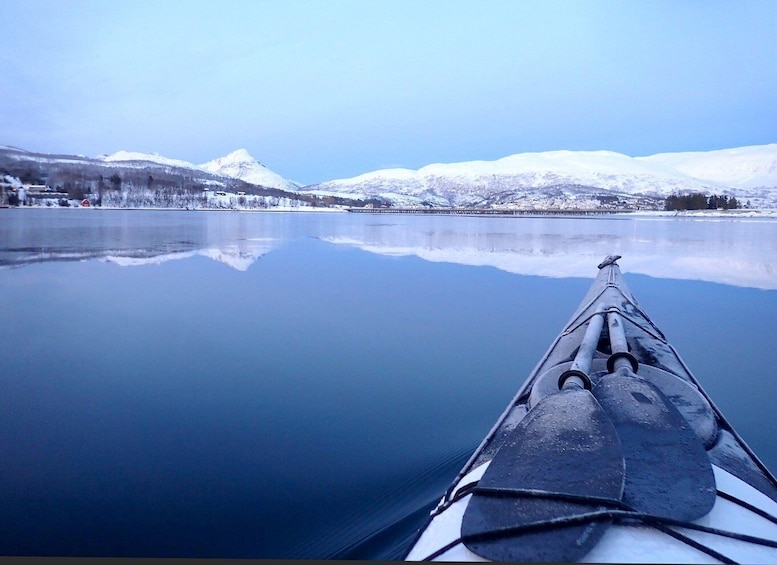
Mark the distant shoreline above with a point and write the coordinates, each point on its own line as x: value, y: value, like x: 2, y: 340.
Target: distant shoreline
x: 699, y: 214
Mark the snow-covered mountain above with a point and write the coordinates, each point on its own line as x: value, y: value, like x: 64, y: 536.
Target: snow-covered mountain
x: 743, y: 167
x: 129, y: 179
x: 573, y: 179
x: 125, y: 156
x: 237, y: 165
x: 553, y: 179
x: 241, y: 165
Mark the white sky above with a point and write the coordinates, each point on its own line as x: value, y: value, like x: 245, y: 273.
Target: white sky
x: 318, y: 90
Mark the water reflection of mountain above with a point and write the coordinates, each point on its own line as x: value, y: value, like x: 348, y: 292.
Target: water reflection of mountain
x: 129, y: 240
x: 741, y: 252
x: 238, y: 257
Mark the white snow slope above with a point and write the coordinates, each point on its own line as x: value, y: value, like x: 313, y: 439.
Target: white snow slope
x: 122, y: 156
x: 749, y: 173
x: 747, y: 167
x: 240, y: 165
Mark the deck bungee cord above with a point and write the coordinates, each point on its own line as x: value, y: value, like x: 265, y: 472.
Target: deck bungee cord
x: 623, y: 514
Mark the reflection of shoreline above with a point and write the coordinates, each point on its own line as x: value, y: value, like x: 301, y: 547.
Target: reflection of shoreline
x: 131, y: 238
x: 734, y: 251
x: 724, y: 270
x: 668, y: 261
x: 237, y: 257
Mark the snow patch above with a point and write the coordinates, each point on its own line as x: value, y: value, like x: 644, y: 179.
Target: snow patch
x: 121, y: 156
x: 241, y: 165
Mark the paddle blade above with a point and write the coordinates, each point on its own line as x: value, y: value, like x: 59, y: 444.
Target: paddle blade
x: 668, y: 472
x: 565, y: 444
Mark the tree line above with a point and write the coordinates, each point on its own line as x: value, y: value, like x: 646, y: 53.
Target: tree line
x: 700, y: 201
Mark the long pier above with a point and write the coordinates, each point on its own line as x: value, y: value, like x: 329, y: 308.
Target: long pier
x: 489, y: 211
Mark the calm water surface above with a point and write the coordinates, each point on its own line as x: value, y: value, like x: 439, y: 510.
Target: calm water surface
x: 306, y: 385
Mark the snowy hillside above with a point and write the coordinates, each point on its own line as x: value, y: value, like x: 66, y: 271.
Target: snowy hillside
x: 240, y: 165
x: 148, y: 180
x: 553, y: 179
x: 573, y: 179
x: 237, y: 165
x: 125, y: 156
x: 745, y: 167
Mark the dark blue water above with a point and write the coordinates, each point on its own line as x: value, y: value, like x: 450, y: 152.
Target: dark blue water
x: 314, y: 389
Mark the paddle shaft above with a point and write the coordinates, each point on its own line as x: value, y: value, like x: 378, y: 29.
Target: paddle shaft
x: 590, y: 341
x: 621, y: 358
x: 581, y: 365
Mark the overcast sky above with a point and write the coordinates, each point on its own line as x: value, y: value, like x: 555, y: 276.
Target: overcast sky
x: 318, y: 90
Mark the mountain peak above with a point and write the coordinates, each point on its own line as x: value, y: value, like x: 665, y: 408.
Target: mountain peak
x: 241, y: 165
x: 239, y: 156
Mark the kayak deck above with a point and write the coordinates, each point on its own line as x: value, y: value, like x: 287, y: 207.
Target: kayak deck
x: 610, y: 401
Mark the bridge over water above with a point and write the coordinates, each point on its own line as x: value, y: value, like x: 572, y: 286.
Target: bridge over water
x: 489, y: 211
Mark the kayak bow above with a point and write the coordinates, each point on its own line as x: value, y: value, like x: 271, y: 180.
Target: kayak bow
x: 611, y: 451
